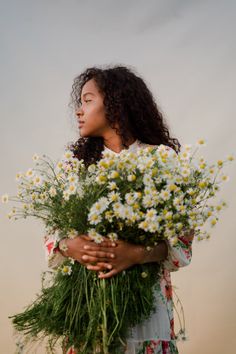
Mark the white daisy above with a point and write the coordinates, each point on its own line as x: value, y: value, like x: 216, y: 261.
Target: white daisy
x: 66, y: 270
x: 35, y: 157
x: 5, y: 198
x: 113, y: 236
x: 29, y: 173
x: 97, y: 238
x: 52, y: 191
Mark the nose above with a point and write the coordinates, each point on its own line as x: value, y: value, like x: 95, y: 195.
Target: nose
x: 79, y: 112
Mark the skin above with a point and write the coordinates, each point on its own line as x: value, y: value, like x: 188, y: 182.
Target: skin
x: 107, y: 258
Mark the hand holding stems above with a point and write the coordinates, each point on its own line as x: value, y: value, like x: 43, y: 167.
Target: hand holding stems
x: 113, y: 256
x: 79, y: 249
x: 126, y: 255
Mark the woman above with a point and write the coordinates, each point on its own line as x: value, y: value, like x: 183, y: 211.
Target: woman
x: 116, y: 111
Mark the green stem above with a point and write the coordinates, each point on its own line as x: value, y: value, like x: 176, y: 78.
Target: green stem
x: 104, y: 317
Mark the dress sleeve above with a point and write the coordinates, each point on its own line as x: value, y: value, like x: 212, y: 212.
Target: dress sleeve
x: 52, y: 253
x: 179, y: 255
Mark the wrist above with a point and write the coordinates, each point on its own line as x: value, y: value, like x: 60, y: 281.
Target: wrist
x: 157, y: 253
x: 141, y: 255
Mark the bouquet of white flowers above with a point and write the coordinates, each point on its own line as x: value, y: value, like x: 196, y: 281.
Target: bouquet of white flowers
x: 143, y: 198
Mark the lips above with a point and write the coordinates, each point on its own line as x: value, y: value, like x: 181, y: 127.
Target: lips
x: 81, y: 124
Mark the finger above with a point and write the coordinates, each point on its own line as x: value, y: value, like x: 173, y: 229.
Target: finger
x: 108, y: 243
x: 108, y: 274
x: 92, y: 248
x: 99, y: 266
x: 104, y: 244
x: 100, y: 254
x: 90, y: 259
x: 86, y: 237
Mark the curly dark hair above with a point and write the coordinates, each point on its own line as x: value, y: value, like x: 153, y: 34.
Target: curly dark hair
x: 128, y: 102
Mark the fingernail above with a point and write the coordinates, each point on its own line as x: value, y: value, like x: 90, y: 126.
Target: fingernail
x: 88, y: 267
x: 109, y: 266
x: 113, y: 244
x: 86, y: 247
x: 84, y: 257
x: 112, y: 255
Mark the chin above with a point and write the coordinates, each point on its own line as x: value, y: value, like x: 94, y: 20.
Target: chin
x: 82, y: 133
x: 86, y: 134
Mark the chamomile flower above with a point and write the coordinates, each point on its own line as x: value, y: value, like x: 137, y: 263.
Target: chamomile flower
x: 60, y: 165
x: 92, y: 168
x: 174, y: 241
x: 112, y: 186
x: 72, y: 234
x: 94, y: 218
x: 97, y: 238
x: 35, y: 157
x: 144, y: 225
x: 68, y: 155
x: 114, y: 196
x: 230, y: 157
x: 52, y: 191
x: 19, y: 175
x: 148, y: 201
x: 168, y: 215
x: 187, y: 147
x: 185, y: 172
x: 201, y: 142
x: 144, y: 274
x: 71, y: 189
x: 225, y: 178
x: 153, y: 227
x: 109, y: 216
x: 5, y: 198
x: 29, y: 173
x: 66, y: 270
x: 147, y: 179
x: 165, y: 194
x: 100, y: 205
x: 66, y: 195
x: 37, y: 180
x: 179, y: 226
x: 73, y: 178
x: 171, y: 187
x: 112, y: 236
x: 10, y: 215
x: 151, y: 215
x: 212, y: 221
x: 131, y: 178
x: 101, y: 179
x: 129, y: 197
x: 114, y: 174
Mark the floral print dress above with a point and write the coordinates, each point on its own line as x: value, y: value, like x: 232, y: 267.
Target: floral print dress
x: 155, y: 335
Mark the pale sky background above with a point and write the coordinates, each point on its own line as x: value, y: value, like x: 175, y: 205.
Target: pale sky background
x: 186, y: 52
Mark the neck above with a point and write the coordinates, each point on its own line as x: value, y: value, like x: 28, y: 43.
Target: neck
x: 114, y: 143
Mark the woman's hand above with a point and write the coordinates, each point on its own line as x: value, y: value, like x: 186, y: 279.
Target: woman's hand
x: 125, y: 255
x: 84, y: 250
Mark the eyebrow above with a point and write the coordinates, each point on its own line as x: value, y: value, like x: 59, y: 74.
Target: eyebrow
x: 86, y: 93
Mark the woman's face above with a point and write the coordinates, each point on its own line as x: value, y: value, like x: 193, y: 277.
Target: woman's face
x: 91, y: 113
